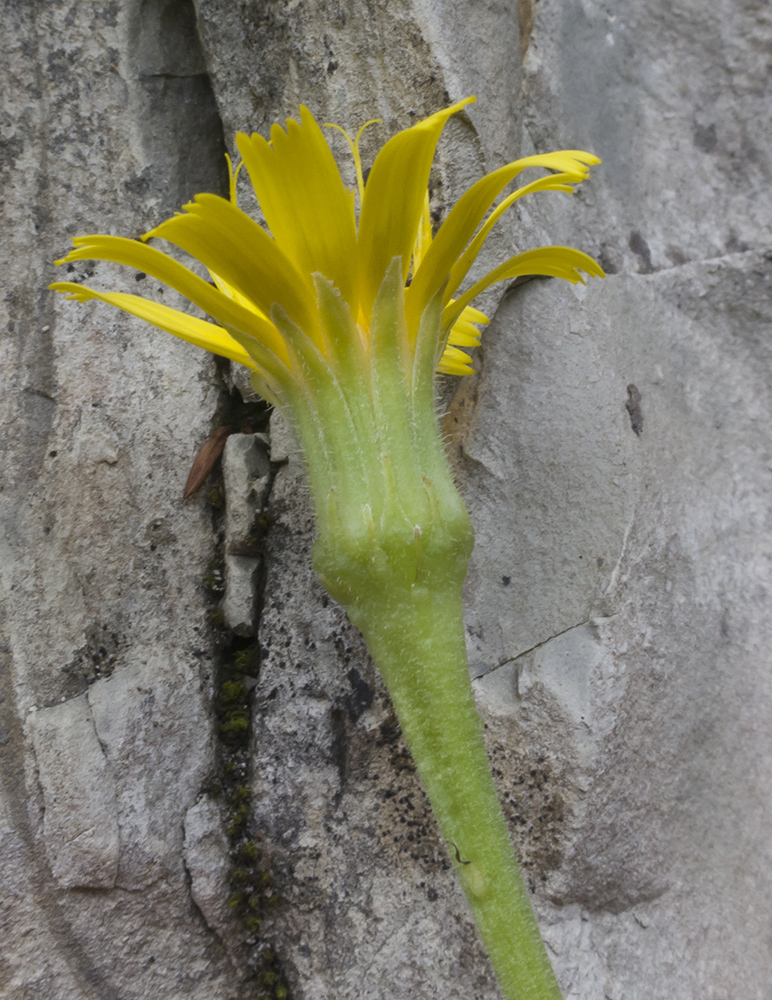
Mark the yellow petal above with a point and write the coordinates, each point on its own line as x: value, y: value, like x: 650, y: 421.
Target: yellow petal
x: 394, y: 199
x: 555, y: 182
x: 464, y: 334
x: 231, y: 292
x: 467, y: 214
x: 305, y: 203
x: 553, y: 262
x: 473, y: 315
x: 424, y: 237
x: 195, y: 331
x: 224, y: 309
x: 237, y: 249
x: 455, y: 362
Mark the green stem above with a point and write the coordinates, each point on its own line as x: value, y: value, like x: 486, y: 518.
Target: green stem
x: 418, y: 645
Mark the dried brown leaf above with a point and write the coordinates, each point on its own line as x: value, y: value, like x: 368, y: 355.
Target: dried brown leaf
x: 205, y: 459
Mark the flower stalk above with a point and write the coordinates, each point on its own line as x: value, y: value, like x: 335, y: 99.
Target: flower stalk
x: 394, y: 539
x: 417, y: 640
x: 343, y: 323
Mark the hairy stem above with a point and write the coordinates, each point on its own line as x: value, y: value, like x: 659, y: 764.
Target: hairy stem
x: 419, y: 649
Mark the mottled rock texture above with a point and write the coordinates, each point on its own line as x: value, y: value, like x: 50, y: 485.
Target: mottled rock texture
x: 614, y: 450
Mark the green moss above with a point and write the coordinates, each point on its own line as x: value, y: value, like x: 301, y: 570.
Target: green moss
x: 232, y: 693
x: 215, y: 498
x: 270, y: 977
x: 238, y: 821
x: 214, y: 583
x: 236, y: 725
x: 216, y: 618
x: 240, y: 795
x: 243, y: 661
x: 249, y: 851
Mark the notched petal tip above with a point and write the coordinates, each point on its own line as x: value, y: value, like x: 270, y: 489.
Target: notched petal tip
x: 73, y: 291
x: 452, y: 109
x: 590, y: 159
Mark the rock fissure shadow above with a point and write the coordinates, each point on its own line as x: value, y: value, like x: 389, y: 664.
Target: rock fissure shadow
x: 184, y: 149
x: 174, y: 106
x: 237, y: 665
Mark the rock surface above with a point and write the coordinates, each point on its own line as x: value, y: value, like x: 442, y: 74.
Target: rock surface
x: 80, y: 824
x: 613, y: 449
x: 208, y: 862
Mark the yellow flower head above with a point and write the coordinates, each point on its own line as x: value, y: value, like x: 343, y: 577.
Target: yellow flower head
x: 314, y: 232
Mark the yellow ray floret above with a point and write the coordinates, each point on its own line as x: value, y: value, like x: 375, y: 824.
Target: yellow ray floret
x: 259, y: 274
x: 455, y: 362
x: 151, y: 261
x: 467, y: 214
x: 304, y: 200
x: 228, y: 242
x: 394, y: 200
x: 195, y: 331
x: 550, y: 262
x: 464, y: 332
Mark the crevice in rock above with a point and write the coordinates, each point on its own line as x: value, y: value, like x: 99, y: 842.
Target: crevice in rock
x: 183, y: 149
x: 175, y: 110
x: 765, y: 252
x: 525, y: 17
x: 250, y: 893
x: 654, y: 270
x: 538, y: 645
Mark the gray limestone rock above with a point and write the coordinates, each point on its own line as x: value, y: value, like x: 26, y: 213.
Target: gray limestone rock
x: 240, y: 599
x: 613, y: 449
x: 208, y: 862
x: 246, y: 477
x: 151, y: 750
x: 101, y: 565
x: 246, y: 480
x: 80, y: 826
x: 283, y: 443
